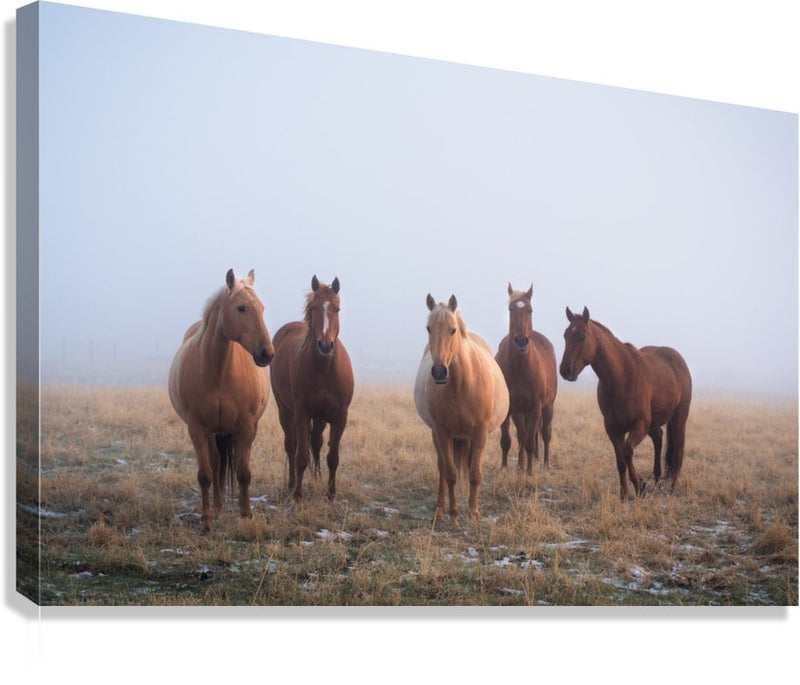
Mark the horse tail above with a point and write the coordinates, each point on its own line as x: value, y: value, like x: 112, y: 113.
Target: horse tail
x: 669, y: 456
x: 461, y: 458
x: 226, y: 445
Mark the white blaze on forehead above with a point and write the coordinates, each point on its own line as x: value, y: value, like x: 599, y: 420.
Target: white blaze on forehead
x: 520, y: 304
x: 325, y: 317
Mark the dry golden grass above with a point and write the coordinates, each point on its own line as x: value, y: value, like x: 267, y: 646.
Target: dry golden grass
x: 119, y: 513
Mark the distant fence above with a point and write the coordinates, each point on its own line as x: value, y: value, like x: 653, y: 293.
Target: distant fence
x: 88, y: 350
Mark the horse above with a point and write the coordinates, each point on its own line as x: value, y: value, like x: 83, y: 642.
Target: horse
x: 460, y: 393
x: 528, y: 362
x: 638, y: 391
x: 219, y: 387
x: 312, y: 381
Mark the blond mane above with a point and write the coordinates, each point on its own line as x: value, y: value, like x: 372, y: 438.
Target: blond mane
x: 440, y: 312
x: 214, y: 301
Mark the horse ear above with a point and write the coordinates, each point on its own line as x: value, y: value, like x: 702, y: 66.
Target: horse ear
x: 529, y: 294
x: 314, y: 283
x: 585, y: 315
x: 510, y: 289
x: 570, y: 315
x: 453, y: 303
x: 430, y: 302
x: 230, y: 279
x: 251, y: 277
x: 335, y: 286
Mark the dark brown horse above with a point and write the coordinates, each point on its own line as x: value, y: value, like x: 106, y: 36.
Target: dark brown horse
x: 312, y: 381
x: 638, y: 390
x: 461, y: 395
x: 528, y: 362
x: 218, y: 386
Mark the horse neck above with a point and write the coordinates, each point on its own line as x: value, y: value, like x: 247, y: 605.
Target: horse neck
x: 216, y: 346
x: 464, y: 364
x: 526, y: 359
x: 612, y: 359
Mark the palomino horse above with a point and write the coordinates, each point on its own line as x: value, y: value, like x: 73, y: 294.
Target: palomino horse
x: 638, y: 390
x: 312, y: 381
x: 528, y: 362
x: 218, y: 385
x: 461, y: 395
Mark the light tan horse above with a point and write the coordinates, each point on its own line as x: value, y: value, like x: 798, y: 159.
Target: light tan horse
x: 219, y: 386
x: 461, y: 395
x: 528, y: 362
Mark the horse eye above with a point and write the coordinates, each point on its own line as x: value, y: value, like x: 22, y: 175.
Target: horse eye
x: 452, y: 331
x: 241, y: 309
x: 428, y: 328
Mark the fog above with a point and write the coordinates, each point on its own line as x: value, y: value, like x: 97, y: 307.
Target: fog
x: 171, y: 152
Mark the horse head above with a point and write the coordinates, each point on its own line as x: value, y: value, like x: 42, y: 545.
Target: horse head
x: 446, y: 330
x: 322, y: 315
x: 579, y: 345
x: 520, y: 321
x: 243, y: 318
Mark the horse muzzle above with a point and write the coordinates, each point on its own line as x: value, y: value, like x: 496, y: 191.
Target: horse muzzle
x: 326, y: 347
x: 264, y: 357
x: 521, y: 342
x: 567, y: 373
x: 439, y: 373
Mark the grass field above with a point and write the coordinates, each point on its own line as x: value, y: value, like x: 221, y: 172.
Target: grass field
x: 110, y: 516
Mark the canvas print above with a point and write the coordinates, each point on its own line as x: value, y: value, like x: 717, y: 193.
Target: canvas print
x: 307, y: 325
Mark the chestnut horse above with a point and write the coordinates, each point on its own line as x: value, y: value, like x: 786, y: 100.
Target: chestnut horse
x: 461, y: 395
x: 218, y: 386
x: 312, y: 381
x: 528, y: 362
x: 638, y: 390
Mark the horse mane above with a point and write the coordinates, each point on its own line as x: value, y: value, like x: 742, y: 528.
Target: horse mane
x: 440, y: 311
x: 516, y: 297
x: 212, y: 301
x: 310, y: 295
x: 608, y: 332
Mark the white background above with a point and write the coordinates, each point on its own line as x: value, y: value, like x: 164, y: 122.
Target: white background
x: 741, y: 53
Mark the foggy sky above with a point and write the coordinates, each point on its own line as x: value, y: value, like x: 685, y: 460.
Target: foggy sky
x: 172, y: 152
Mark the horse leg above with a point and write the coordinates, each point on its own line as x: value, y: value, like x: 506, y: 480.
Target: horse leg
x: 301, y: 426
x: 461, y: 452
x: 317, y: 426
x: 337, y: 430
x: 618, y: 441
x: 242, y: 443
x: 533, y: 423
x: 476, y: 447
x: 522, y: 439
x: 217, y: 474
x: 505, y: 440
x: 204, y: 473
x: 635, y: 436
x: 289, y: 441
x: 656, y: 435
x: 447, y: 474
x: 547, y: 432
